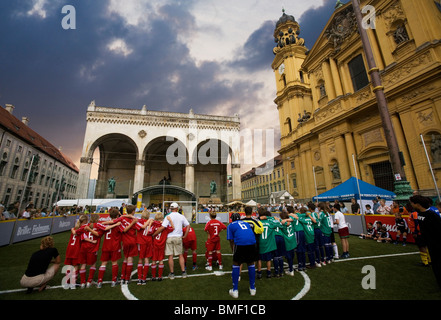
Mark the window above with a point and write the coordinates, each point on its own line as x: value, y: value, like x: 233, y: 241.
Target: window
x: 322, y: 89
x: 358, y: 73
x: 288, y: 122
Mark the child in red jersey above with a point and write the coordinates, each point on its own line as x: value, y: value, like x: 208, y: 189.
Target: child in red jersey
x: 130, y: 249
x: 90, y: 246
x: 145, y: 246
x: 213, y: 228
x: 159, y: 242
x: 111, y: 250
x: 73, y: 251
x: 190, y: 243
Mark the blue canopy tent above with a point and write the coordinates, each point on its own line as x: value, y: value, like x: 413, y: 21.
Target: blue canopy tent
x: 349, y: 189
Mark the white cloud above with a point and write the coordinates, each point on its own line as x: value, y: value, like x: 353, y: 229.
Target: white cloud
x: 38, y: 9
x: 119, y: 47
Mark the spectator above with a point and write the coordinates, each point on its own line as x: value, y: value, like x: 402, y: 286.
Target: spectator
x: 375, y: 206
x: 9, y: 213
x: 38, y: 272
x: 343, y: 230
x: 383, y: 208
x: 430, y: 228
x: 174, y: 239
x: 368, y: 209
x: 355, y: 207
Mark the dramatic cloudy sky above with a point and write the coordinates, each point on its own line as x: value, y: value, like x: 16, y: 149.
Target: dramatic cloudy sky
x: 212, y: 56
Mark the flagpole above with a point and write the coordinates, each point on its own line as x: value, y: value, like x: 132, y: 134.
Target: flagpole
x: 430, y: 166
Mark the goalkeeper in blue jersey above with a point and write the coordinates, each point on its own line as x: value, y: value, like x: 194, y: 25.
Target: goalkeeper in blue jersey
x: 243, y: 244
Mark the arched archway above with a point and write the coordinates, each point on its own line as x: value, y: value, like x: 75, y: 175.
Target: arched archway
x: 211, y: 159
x: 117, y: 156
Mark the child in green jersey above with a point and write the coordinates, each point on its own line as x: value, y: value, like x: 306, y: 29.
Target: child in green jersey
x: 267, y: 243
x: 306, y: 221
x: 289, y: 237
x: 318, y: 239
x: 326, y: 226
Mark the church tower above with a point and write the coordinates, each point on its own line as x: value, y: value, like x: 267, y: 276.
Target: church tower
x: 294, y: 95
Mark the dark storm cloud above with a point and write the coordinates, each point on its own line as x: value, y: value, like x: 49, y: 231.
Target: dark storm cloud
x: 313, y: 20
x: 51, y: 74
x: 257, y: 52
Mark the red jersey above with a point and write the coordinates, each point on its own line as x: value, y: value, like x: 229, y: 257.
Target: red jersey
x: 129, y: 237
x: 74, y: 245
x: 214, y: 227
x: 191, y: 236
x: 112, y: 240
x: 141, y: 235
x: 89, y: 246
x: 160, y: 239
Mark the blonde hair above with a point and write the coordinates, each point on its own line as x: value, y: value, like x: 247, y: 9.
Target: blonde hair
x: 81, y: 220
x: 47, y: 242
x: 159, y: 216
x: 145, y: 214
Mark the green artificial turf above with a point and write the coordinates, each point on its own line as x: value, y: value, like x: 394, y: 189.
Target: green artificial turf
x: 398, y: 276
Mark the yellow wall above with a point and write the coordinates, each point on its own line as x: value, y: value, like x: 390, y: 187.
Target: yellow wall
x: 345, y: 121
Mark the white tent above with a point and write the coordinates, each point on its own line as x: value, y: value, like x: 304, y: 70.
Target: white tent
x: 251, y: 203
x: 281, y: 197
x: 89, y: 202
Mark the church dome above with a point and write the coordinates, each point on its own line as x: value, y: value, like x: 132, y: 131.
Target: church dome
x: 285, y: 18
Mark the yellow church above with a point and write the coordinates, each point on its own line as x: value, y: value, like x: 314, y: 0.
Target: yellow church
x: 330, y: 124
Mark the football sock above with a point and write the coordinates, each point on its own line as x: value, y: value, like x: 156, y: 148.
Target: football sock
x: 280, y: 259
x: 123, y: 270
x: 219, y: 258
x: 140, y: 271
x: 276, y: 265
x: 252, y: 276
x: 290, y: 263
x: 210, y: 260
x: 129, y: 269
x: 91, y: 273
x: 161, y: 270
x: 101, y: 272
x: 334, y: 246
x: 145, y: 271
x: 114, y: 272
x: 154, y: 270
x: 195, y: 257
x: 424, y: 257
x: 83, y: 275
x: 235, y: 276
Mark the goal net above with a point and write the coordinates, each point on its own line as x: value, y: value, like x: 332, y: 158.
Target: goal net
x: 188, y: 208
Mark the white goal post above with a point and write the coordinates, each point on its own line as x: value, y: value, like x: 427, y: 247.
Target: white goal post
x: 189, y: 208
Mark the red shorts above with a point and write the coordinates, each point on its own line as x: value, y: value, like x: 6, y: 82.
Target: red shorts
x: 88, y: 258
x: 71, y: 261
x: 213, y: 246
x: 158, y: 254
x: 343, y: 232
x: 190, y: 244
x: 130, y: 250
x: 145, y: 251
x: 110, y: 255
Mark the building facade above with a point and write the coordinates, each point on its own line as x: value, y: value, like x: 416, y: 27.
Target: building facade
x: 164, y: 156
x: 259, y: 183
x: 329, y: 118
x: 31, y: 168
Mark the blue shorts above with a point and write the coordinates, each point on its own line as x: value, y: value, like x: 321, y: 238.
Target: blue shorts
x: 267, y: 256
